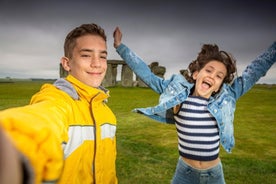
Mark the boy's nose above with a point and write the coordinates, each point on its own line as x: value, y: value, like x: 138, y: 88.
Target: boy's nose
x: 95, y: 61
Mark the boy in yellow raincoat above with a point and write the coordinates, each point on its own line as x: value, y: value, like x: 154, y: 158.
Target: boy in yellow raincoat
x: 67, y: 133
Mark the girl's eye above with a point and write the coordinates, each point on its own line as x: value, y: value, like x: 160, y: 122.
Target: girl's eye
x: 220, y: 77
x: 103, y: 57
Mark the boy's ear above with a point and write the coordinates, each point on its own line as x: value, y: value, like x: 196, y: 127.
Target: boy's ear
x: 194, y: 75
x: 65, y: 63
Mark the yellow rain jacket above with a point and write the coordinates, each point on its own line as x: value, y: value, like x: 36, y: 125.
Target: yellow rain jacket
x: 67, y: 133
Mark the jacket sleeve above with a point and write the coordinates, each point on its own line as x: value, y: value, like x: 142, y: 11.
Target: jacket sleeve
x: 37, y: 131
x: 254, y: 71
x: 139, y: 67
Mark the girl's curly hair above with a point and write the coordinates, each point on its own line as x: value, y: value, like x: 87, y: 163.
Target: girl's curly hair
x: 208, y: 53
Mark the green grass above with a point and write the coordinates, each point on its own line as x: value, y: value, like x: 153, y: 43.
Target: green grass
x: 147, y: 150
x: 17, y: 93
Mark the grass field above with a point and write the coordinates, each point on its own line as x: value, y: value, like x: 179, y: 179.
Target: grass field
x: 147, y: 150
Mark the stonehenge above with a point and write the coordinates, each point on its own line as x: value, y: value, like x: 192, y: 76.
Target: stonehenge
x: 127, y: 76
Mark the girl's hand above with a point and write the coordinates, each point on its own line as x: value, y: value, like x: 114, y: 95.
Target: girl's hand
x: 117, y: 35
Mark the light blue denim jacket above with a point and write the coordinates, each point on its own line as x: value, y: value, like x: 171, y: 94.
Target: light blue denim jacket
x: 175, y: 90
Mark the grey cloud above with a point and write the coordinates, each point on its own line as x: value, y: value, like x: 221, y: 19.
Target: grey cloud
x: 170, y: 32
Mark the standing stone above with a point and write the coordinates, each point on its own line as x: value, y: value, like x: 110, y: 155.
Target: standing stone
x: 141, y: 83
x: 110, y: 76
x: 126, y: 76
x: 158, y: 70
x: 184, y: 72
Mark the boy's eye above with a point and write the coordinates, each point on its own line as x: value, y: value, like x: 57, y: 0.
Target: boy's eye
x: 103, y: 57
x: 85, y: 55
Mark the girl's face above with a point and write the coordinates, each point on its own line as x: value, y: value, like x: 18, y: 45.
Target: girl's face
x: 209, y: 79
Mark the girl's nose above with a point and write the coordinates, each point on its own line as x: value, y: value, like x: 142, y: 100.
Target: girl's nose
x: 212, y: 75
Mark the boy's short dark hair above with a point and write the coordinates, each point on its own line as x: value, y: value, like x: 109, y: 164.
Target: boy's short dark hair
x: 84, y: 29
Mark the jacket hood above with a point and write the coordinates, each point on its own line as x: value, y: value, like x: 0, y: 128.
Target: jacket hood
x: 67, y: 87
x: 77, y: 89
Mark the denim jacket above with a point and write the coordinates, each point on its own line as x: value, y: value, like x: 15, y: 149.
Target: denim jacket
x: 176, y: 90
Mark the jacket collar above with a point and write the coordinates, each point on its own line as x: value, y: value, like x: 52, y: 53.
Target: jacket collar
x: 76, y: 89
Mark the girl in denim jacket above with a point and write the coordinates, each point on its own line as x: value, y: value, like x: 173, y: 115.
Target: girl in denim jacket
x: 201, y: 105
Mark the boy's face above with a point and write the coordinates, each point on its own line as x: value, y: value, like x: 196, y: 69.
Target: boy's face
x: 89, y: 60
x: 209, y: 79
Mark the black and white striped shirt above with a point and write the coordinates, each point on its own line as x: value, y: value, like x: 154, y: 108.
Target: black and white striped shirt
x: 198, y: 134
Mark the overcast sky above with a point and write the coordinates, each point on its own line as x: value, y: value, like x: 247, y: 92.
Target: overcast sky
x: 170, y: 32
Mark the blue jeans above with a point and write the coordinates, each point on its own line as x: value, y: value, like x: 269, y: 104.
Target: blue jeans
x: 185, y: 174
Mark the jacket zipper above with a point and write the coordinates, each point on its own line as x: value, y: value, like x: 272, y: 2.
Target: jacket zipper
x: 95, y: 139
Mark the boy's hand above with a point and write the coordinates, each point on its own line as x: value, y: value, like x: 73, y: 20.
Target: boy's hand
x: 11, y: 167
x: 117, y: 35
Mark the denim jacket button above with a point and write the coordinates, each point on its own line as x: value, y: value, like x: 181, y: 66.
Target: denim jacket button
x: 215, y: 110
